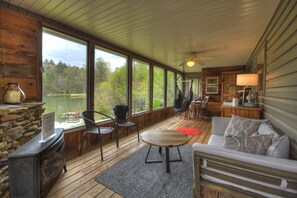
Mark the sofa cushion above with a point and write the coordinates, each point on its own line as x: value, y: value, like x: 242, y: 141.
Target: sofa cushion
x: 239, y: 126
x: 279, y: 148
x: 256, y: 144
x: 265, y: 129
x: 216, y: 140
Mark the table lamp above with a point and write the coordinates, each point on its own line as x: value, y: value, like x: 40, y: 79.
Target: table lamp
x: 247, y: 80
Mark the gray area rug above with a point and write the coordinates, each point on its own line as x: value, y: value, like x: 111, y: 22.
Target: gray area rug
x: 132, y: 177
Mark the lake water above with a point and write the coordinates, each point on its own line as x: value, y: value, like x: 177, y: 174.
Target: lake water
x: 65, y: 104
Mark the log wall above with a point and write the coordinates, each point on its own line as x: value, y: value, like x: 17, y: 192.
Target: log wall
x: 215, y: 100
x: 20, y: 41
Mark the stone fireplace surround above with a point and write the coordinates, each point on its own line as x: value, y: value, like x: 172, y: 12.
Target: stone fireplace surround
x: 18, y: 125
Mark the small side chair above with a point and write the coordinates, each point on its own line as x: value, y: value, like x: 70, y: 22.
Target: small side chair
x: 94, y: 128
x: 203, y: 111
x: 120, y: 112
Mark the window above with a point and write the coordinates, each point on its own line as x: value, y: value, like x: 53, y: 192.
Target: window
x: 140, y: 86
x: 158, y: 88
x: 64, y: 77
x: 170, y: 88
x: 196, y: 87
x: 110, y: 80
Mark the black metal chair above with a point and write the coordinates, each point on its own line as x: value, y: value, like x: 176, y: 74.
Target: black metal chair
x: 94, y: 128
x: 120, y: 112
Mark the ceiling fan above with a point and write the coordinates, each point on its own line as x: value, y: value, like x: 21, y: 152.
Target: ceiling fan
x: 192, y: 60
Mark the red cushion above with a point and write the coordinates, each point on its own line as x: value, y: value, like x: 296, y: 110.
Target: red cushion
x: 189, y: 131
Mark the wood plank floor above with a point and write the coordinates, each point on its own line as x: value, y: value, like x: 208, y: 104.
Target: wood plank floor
x: 79, y: 181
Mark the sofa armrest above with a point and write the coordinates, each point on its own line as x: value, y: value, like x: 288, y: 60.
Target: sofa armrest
x: 244, y: 173
x: 259, y: 160
x: 219, y: 125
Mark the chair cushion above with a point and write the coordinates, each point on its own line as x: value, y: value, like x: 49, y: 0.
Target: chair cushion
x: 120, y: 111
x: 239, y: 126
x: 106, y: 130
x: 256, y: 144
x: 280, y: 148
x: 126, y: 124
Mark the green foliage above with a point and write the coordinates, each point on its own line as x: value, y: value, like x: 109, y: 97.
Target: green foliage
x: 63, y: 79
x: 170, y: 88
x: 102, y: 71
x: 140, y: 86
x: 113, y: 89
x: 110, y: 86
x: 158, y: 87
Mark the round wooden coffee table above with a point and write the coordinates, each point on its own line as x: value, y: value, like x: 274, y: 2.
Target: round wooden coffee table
x: 166, y: 139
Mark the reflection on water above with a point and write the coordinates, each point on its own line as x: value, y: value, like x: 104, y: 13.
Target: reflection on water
x: 64, y: 105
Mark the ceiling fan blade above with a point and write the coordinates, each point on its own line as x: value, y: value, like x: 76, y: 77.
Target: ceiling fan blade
x: 200, y: 62
x: 206, y: 58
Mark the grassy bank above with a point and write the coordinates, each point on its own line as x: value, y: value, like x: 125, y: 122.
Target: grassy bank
x: 68, y: 95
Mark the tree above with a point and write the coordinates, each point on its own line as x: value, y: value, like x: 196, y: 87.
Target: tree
x: 117, y: 85
x: 63, y: 79
x: 140, y: 84
x: 102, y: 71
x: 112, y: 91
x: 158, y: 87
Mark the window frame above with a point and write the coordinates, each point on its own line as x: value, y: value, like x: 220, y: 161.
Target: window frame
x: 90, y: 42
x: 113, y: 52
x: 71, y: 38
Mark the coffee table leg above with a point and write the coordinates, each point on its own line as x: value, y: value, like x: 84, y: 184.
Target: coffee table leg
x: 179, y: 154
x: 151, y: 161
x: 167, y: 160
x: 160, y: 149
x: 148, y: 152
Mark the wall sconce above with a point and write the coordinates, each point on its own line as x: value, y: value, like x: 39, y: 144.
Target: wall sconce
x: 247, y: 80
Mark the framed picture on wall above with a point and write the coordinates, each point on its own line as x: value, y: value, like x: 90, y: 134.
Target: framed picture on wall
x: 212, y: 90
x: 261, y: 79
x: 212, y: 80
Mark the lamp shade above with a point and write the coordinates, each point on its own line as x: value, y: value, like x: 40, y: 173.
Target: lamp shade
x: 190, y: 63
x: 247, y: 79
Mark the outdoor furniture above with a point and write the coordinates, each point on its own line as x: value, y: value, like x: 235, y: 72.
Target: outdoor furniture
x: 71, y: 117
x: 239, y: 173
x: 202, y: 110
x: 167, y: 139
x: 120, y: 112
x: 94, y: 128
x: 193, y: 109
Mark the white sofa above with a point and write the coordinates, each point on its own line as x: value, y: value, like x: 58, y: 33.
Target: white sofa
x: 238, y: 173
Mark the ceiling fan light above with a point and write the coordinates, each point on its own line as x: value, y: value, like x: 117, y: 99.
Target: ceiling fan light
x: 190, y: 63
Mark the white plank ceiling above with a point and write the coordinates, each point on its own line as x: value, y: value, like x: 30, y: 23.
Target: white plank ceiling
x: 223, y: 32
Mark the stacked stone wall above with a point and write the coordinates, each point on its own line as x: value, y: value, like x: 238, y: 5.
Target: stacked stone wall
x: 18, y: 125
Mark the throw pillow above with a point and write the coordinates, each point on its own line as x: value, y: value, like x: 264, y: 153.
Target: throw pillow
x: 280, y: 148
x: 265, y: 129
x: 239, y: 126
x: 255, y: 145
